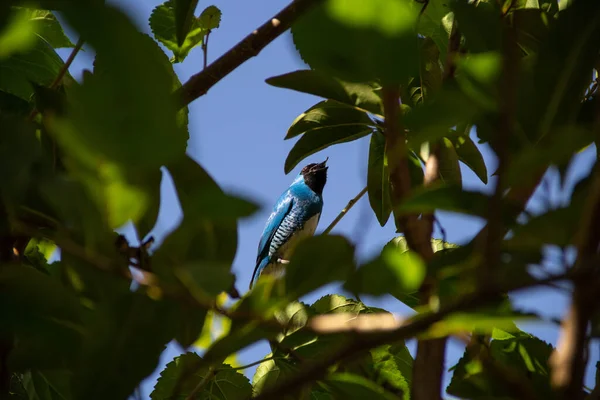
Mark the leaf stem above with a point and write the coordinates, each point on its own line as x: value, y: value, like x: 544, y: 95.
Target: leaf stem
x: 345, y: 210
x: 61, y: 73
x: 205, y: 48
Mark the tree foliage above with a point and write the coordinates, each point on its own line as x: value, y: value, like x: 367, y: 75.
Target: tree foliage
x: 424, y: 79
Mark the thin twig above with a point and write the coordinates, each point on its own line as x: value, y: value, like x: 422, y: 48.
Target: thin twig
x: 249, y: 47
x: 61, y: 73
x: 205, y: 48
x: 251, y: 364
x: 342, y: 213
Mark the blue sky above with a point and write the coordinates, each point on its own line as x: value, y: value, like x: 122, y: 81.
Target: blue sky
x: 236, y: 133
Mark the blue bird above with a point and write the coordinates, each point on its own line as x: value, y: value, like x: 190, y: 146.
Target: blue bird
x: 294, y: 217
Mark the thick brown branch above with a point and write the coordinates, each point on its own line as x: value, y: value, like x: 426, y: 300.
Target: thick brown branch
x: 249, y: 47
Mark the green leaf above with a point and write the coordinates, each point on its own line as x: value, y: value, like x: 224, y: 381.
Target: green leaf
x: 184, y: 16
x: 184, y: 373
x: 269, y: 373
x: 436, y: 23
x: 16, y: 31
x: 561, y: 71
x: 393, y: 272
x: 352, y: 386
x: 478, y: 76
x: 378, y: 179
x: 110, y: 368
x: 449, y: 198
x: 143, y: 132
x: 358, y: 95
x: 394, y: 365
x: 317, y: 261
x: 519, y: 352
x: 40, y: 64
x: 210, y: 18
x: 432, y: 120
x: 45, y: 318
x: 480, y: 24
x: 328, y: 113
x: 469, y: 154
x: 174, y: 25
x: 554, y: 150
x: 47, y: 26
x: 449, y: 168
x: 328, y: 35
x: 430, y: 71
x: 319, y: 139
x: 47, y: 385
x: 201, y: 250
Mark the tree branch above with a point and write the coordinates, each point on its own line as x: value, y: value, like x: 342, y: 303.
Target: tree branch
x: 345, y: 210
x: 318, y: 368
x: 249, y: 47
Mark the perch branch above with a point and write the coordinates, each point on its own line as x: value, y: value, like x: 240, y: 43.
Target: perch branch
x: 249, y: 47
x: 344, y: 211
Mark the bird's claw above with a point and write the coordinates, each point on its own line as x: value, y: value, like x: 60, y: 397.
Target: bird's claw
x: 282, y: 261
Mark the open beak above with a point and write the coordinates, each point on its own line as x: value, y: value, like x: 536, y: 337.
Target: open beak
x: 323, y: 164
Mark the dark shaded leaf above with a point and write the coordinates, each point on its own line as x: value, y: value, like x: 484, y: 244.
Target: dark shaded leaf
x: 351, y: 386
x: 47, y: 26
x: 320, y: 84
x: 269, y: 373
x: 449, y: 198
x: 553, y: 87
x: 110, y: 368
x: 329, y: 35
x: 307, y: 272
x: 319, y: 139
x: 44, y: 317
x: 184, y: 16
x: 436, y: 23
x: 328, y: 113
x: 480, y: 24
x: 47, y: 385
x: 449, y: 169
x: 40, y: 64
x: 469, y: 154
x: 378, y: 179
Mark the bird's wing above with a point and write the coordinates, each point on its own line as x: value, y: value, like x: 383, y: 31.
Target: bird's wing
x: 281, y: 210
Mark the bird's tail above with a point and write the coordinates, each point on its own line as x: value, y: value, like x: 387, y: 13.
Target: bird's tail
x: 258, y: 270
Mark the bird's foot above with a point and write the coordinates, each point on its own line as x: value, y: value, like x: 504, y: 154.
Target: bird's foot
x: 282, y: 261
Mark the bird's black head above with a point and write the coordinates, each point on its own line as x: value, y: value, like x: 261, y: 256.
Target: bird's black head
x: 315, y: 176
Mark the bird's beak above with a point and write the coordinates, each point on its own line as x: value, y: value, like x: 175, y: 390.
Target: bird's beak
x: 323, y: 164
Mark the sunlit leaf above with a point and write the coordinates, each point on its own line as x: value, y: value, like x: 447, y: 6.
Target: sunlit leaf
x: 174, y: 25
x: 395, y: 271
x: 184, y: 373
